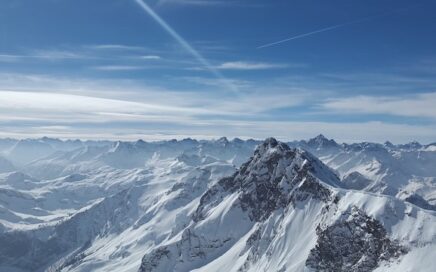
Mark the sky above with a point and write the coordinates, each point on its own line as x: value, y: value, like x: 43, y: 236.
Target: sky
x: 361, y: 70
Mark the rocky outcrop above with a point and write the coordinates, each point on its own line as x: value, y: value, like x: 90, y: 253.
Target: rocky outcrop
x: 420, y: 202
x: 356, y: 181
x: 274, y: 177
x: 356, y: 242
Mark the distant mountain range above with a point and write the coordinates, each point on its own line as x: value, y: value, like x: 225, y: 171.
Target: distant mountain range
x: 219, y: 205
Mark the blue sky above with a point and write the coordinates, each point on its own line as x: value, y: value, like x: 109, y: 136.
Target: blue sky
x: 161, y: 69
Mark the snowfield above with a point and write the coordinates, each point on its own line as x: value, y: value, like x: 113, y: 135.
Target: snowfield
x: 216, y: 205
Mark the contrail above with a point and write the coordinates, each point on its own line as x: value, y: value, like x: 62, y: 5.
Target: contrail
x: 185, y: 44
x: 329, y: 28
x: 303, y: 35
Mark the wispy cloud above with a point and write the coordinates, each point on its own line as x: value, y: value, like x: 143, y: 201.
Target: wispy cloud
x: 209, y: 3
x: 116, y: 47
x: 60, y: 54
x: 421, y: 105
x: 70, y: 108
x: 86, y: 52
x: 242, y: 65
x: 150, y: 57
x: 305, y: 35
x: 192, y: 2
x: 10, y: 58
x: 331, y: 28
x: 183, y: 42
x: 114, y: 68
x: 44, y: 98
x: 214, y: 82
x: 52, y: 55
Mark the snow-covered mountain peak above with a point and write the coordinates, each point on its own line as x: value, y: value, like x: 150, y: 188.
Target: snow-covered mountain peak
x: 320, y: 137
x: 223, y: 141
x: 273, y: 178
x: 140, y: 143
x: 321, y: 141
x: 278, y: 159
x: 388, y: 144
x: 271, y: 145
x: 238, y: 141
x: 120, y: 146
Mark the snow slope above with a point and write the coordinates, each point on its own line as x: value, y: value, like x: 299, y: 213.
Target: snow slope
x: 283, y: 211
x: 6, y: 165
x: 396, y: 170
x: 218, y: 206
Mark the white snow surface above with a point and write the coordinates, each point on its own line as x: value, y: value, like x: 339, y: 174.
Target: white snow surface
x: 111, y: 206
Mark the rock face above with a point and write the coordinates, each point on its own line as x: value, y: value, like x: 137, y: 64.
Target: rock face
x: 355, y: 181
x: 321, y: 141
x: 356, y: 242
x: 274, y: 177
x: 420, y: 202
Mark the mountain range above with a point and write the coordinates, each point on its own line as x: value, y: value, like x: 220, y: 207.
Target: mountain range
x: 218, y: 205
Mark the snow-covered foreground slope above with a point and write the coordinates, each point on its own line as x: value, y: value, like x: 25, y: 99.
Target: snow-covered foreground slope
x: 107, y: 218
x: 196, y: 206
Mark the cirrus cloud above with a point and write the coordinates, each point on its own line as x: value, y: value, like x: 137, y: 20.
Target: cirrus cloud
x: 420, y: 105
x: 243, y: 65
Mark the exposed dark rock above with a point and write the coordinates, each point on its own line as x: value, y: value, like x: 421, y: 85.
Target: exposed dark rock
x: 321, y: 141
x: 191, y: 248
x: 356, y: 242
x: 356, y: 181
x: 273, y: 178
x: 420, y: 202
x: 152, y: 260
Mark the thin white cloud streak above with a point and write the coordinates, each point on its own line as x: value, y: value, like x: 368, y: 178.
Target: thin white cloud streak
x: 193, y: 2
x: 329, y: 28
x: 119, y: 89
x: 303, y: 35
x: 88, y: 52
x: 422, y: 105
x: 59, y: 54
x: 242, y: 65
x: 117, y: 68
x: 259, y: 102
x: 208, y: 3
x: 53, y: 55
x: 217, y: 83
x: 49, y: 107
x: 10, y: 58
x: 150, y: 57
x: 183, y: 43
x: 116, y: 47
